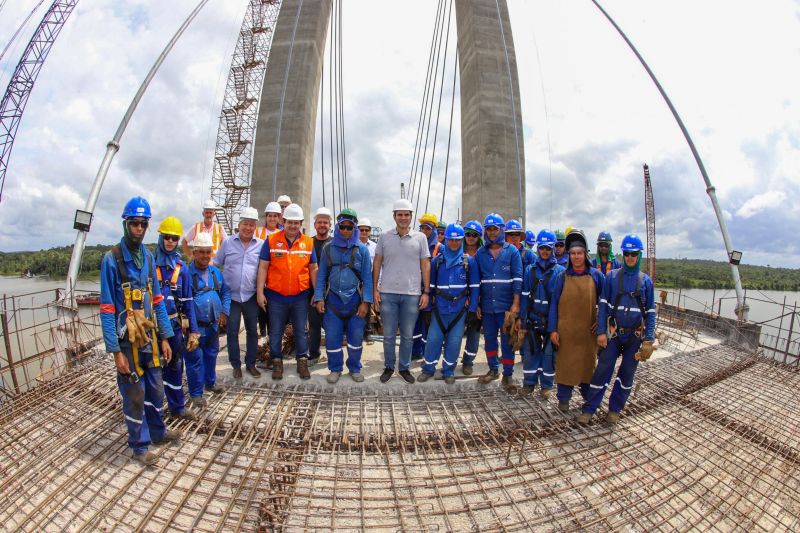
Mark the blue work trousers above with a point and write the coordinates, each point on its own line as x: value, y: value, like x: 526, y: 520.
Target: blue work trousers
x: 492, y: 327
x: 450, y: 340
x: 564, y: 392
x: 281, y: 313
x: 420, y: 338
x: 471, y: 347
x: 537, y: 360
x: 248, y: 310
x: 340, y: 319
x: 402, y: 310
x: 625, y: 346
x: 201, y: 364
x: 173, y: 372
x: 143, y: 407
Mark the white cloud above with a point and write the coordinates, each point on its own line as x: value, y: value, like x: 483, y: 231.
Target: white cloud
x: 761, y: 202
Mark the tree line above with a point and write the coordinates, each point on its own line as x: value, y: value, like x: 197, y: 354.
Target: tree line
x: 55, y: 261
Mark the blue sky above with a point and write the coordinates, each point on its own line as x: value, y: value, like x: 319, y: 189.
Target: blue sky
x: 591, y: 117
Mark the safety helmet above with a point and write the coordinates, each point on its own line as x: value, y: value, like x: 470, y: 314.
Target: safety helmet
x: 632, y: 243
x: 513, y: 226
x: 273, y: 207
x: 604, y: 236
x: 441, y: 225
x: 171, y: 226
x: 293, y: 212
x: 137, y: 207
x: 493, y: 219
x: 284, y: 199
x: 568, y: 230
x: 202, y: 240
x: 454, y: 231
x: 560, y: 236
x: 530, y: 238
x: 347, y: 214
x: 209, y: 204
x: 249, y: 213
x: 474, y: 225
x: 402, y: 205
x: 576, y: 236
x: 323, y: 212
x: 428, y: 218
x: 364, y: 222
x: 546, y: 238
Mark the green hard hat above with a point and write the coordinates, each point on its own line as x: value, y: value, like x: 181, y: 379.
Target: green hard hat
x: 348, y: 214
x: 560, y: 235
x: 441, y: 225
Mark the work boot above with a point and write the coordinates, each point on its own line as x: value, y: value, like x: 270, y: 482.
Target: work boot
x: 265, y: 363
x: 490, y: 376
x: 387, y: 374
x: 424, y: 376
x: 302, y: 368
x: 216, y: 389
x: 369, y: 340
x: 466, y: 370
x: 544, y: 394
x: 450, y: 380
x: 253, y: 371
x: 612, y: 417
x: 358, y: 377
x: 186, y: 414
x: 508, y: 384
x: 406, y: 375
x: 526, y: 390
x: 199, y: 402
x: 333, y: 377
x: 237, y: 373
x: 147, y: 458
x: 563, y: 407
x: 169, y: 436
x: 313, y: 361
x: 277, y: 369
x: 584, y: 418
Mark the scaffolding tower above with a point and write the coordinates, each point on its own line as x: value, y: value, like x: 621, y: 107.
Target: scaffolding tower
x: 650, y: 218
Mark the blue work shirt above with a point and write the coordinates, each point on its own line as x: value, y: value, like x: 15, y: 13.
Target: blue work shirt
x: 112, y: 299
x: 558, y: 288
x: 212, y: 296
x: 239, y: 266
x: 338, y: 278
x: 501, y: 278
x: 537, y: 290
x: 527, y: 256
x: 452, y: 282
x: 181, y: 295
x: 563, y: 260
x: 628, y: 314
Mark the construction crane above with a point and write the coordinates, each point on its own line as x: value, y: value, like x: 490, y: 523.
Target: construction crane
x: 650, y: 218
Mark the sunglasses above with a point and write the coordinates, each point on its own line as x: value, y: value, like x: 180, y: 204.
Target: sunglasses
x: 346, y: 227
x: 364, y: 230
x: 630, y: 254
x: 513, y: 234
x: 138, y: 223
x: 171, y: 238
x: 603, y: 245
x: 559, y: 245
x: 473, y: 235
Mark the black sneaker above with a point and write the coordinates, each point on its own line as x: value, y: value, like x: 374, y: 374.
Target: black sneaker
x: 406, y: 375
x: 387, y: 374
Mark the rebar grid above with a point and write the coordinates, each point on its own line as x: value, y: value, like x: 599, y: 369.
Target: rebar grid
x: 710, y: 441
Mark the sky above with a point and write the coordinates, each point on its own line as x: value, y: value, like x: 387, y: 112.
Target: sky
x: 591, y: 117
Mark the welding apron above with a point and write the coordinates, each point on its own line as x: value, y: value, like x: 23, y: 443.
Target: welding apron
x: 577, y: 311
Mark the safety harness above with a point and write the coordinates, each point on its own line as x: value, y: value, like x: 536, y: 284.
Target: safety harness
x: 196, y: 291
x: 351, y: 264
x: 544, y: 280
x: 172, y: 283
x: 441, y: 294
x: 136, y: 295
x: 613, y: 330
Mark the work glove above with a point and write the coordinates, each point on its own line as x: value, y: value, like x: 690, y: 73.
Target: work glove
x: 509, y: 321
x: 130, y: 325
x: 184, y: 324
x: 193, y: 342
x: 142, y: 325
x: 472, y: 323
x: 517, y: 336
x: 645, y: 351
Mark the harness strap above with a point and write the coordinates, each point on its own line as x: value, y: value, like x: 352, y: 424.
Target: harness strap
x: 439, y: 292
x: 446, y: 330
x: 351, y: 264
x: 539, y: 281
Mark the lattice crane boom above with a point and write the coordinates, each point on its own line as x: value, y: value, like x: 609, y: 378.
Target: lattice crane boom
x: 650, y: 218
x: 22, y: 81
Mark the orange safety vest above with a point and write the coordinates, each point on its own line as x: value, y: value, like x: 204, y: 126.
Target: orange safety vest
x: 435, y: 249
x: 216, y: 234
x: 607, y: 269
x: 288, y: 267
x: 262, y: 233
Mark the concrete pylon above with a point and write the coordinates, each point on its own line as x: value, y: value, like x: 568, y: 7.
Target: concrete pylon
x: 284, y: 145
x: 492, y: 154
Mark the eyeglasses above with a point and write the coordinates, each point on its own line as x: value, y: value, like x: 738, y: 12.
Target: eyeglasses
x: 138, y: 223
x: 630, y: 254
x: 346, y: 227
x: 174, y: 238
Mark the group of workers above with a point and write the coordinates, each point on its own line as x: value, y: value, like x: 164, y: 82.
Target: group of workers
x: 570, y: 317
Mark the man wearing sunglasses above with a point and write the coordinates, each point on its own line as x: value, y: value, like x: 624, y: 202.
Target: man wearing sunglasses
x: 131, y: 304
x: 343, y: 294
x: 473, y: 231
x: 626, y: 326
x: 559, y: 251
x: 604, y: 260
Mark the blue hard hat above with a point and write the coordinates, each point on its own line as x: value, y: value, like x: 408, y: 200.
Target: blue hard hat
x: 453, y: 231
x: 546, y: 238
x: 137, y: 207
x: 632, y: 243
x: 604, y: 236
x: 513, y: 225
x: 530, y: 238
x: 474, y: 225
x: 493, y: 219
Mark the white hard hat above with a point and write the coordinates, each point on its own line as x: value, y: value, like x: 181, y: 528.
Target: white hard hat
x: 284, y: 199
x: 203, y: 240
x: 293, y: 212
x: 402, y: 205
x: 249, y: 213
x: 364, y: 222
x: 273, y: 207
x: 323, y: 212
x: 209, y: 204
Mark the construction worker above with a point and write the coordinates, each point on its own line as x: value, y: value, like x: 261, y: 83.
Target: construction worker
x: 473, y: 231
x: 176, y: 287
x: 573, y: 320
x: 238, y: 259
x: 537, y: 289
x: 322, y: 225
x: 500, y: 268
x: 441, y: 226
x: 272, y: 218
x: 626, y: 324
x: 136, y: 330
x: 455, y: 286
x: 530, y: 241
x: 402, y: 262
x: 427, y: 226
x: 515, y: 236
x: 283, y: 201
x: 604, y: 259
x: 343, y: 294
x: 214, y: 229
x: 562, y: 258
x: 288, y: 267
x: 364, y: 231
x: 212, y: 305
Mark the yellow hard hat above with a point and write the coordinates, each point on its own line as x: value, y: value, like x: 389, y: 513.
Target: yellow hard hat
x: 569, y: 228
x: 171, y: 226
x: 428, y: 218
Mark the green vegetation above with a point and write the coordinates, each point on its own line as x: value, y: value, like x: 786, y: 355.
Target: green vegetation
x: 702, y: 274
x: 54, y: 261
